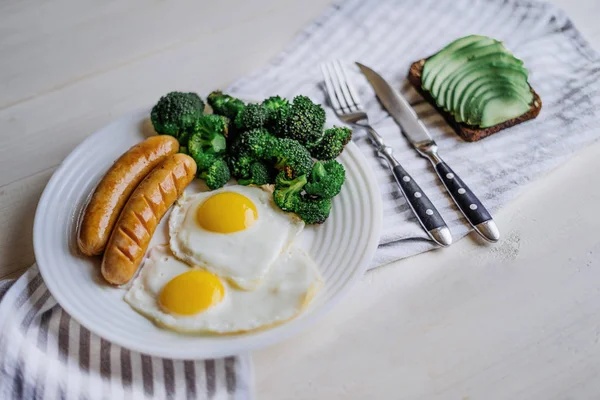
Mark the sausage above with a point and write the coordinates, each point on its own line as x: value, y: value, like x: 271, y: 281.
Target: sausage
x: 114, y: 189
x: 141, y: 215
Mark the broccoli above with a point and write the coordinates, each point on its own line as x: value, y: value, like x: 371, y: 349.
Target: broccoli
x: 291, y: 157
x: 175, y: 113
x: 203, y: 160
x: 305, y: 122
x: 259, y: 174
x: 313, y: 211
x: 251, y: 117
x: 239, y: 159
x: 331, y: 144
x: 208, y: 135
x: 224, y: 104
x: 326, y: 179
x: 278, y: 110
x: 258, y: 142
x: 216, y: 175
x: 288, y: 196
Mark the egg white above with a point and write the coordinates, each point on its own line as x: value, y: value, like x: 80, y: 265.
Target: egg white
x: 243, y: 257
x: 284, y: 293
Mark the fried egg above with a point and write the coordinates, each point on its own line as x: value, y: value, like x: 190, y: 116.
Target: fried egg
x: 194, y: 300
x: 235, y: 232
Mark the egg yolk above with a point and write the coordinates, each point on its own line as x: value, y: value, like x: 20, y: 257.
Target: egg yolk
x: 191, y: 292
x: 227, y: 212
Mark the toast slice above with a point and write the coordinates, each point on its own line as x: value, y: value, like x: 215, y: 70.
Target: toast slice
x: 468, y: 132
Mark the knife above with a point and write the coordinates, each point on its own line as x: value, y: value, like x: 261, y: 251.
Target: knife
x: 418, y: 135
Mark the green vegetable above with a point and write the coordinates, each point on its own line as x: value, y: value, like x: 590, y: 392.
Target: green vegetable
x: 259, y: 142
x: 278, y: 110
x: 224, y: 104
x: 175, y: 113
x: 326, y: 179
x: 208, y: 135
x: 259, y: 174
x: 313, y: 211
x: 305, y: 122
x: 288, y: 196
x: 251, y: 117
x: 216, y: 175
x: 290, y: 156
x: 331, y: 144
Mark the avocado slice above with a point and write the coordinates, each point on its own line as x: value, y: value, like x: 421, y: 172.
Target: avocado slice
x: 436, y: 61
x: 461, y: 57
x: 482, y: 106
x: 484, y: 91
x: 496, y: 77
x: 500, y: 109
x: 484, y: 58
x: 464, y: 109
x: 464, y: 86
x: 493, y: 65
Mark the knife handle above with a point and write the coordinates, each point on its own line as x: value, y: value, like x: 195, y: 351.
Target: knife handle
x: 422, y: 207
x: 475, y: 212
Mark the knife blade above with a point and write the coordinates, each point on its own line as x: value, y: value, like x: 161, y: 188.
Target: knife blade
x: 418, y: 135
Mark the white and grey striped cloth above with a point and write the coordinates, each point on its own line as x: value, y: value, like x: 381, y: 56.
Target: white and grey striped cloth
x: 388, y: 36
x: 46, y: 355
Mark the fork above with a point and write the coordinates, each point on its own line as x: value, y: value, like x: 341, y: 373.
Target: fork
x: 346, y: 104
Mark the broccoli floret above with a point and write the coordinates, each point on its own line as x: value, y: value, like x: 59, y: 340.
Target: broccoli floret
x: 313, y: 211
x: 291, y: 157
x: 259, y: 142
x: 251, y: 117
x: 216, y: 175
x: 175, y: 113
x: 287, y: 194
x: 224, y: 104
x: 239, y: 159
x: 208, y: 135
x: 326, y: 179
x: 259, y: 174
x: 331, y: 144
x: 203, y: 160
x: 305, y: 122
x: 278, y: 110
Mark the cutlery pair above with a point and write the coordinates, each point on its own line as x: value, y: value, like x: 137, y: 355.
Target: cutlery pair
x: 348, y: 108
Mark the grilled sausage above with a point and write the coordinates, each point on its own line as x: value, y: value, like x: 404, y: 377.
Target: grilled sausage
x: 114, y: 189
x: 142, y: 213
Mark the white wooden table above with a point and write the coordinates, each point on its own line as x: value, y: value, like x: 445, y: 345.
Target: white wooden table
x: 519, y: 320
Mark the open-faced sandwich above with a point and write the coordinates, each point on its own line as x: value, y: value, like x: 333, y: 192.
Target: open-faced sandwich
x: 478, y: 85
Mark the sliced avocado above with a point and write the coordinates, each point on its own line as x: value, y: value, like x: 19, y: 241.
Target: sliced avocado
x: 500, y: 109
x: 496, y: 77
x: 464, y: 86
x: 475, y: 110
x: 438, y: 59
x: 459, y: 58
x: 462, y: 111
x: 486, y: 90
x: 474, y: 68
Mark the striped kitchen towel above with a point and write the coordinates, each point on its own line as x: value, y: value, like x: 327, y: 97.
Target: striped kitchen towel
x: 388, y: 36
x: 44, y: 354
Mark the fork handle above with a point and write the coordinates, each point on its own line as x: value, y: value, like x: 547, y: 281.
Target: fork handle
x: 426, y: 213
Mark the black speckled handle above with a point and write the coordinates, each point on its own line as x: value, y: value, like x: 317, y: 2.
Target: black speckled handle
x: 464, y: 198
x: 423, y: 208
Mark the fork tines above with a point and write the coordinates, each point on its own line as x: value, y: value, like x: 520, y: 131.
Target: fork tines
x: 342, y: 95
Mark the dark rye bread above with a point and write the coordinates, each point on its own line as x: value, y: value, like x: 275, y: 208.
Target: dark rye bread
x: 468, y: 132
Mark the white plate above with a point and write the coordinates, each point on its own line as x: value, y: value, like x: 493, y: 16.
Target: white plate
x: 342, y: 247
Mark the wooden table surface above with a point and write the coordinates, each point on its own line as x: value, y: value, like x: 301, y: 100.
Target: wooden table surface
x: 69, y: 67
